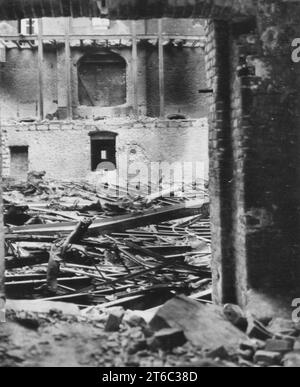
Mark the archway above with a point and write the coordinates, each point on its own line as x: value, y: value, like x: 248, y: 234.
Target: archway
x: 102, y: 80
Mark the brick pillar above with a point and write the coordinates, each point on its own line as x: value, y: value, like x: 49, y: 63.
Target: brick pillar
x: 2, y: 254
x: 255, y: 163
x: 220, y: 149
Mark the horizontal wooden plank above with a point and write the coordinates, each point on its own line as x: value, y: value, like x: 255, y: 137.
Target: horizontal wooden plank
x: 116, y: 224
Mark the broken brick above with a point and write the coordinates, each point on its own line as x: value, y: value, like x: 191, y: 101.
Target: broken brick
x: 292, y: 360
x: 167, y: 339
x: 267, y: 358
x: 114, y: 320
x: 281, y: 346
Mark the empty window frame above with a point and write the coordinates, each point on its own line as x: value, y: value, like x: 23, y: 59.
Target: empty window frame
x: 28, y: 27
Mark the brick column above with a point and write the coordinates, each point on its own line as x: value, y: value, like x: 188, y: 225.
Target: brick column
x: 255, y: 162
x: 220, y: 149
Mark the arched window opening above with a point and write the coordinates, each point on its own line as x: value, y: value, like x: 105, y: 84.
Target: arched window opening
x: 102, y: 80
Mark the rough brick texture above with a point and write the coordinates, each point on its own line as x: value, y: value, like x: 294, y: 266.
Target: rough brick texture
x: 63, y: 150
x: 254, y: 159
x: 19, y: 83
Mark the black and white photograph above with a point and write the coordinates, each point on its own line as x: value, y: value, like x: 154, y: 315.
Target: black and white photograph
x: 150, y: 186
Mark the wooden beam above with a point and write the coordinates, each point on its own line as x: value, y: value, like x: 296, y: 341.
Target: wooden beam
x: 161, y: 70
x: 103, y: 37
x: 135, y: 70
x: 40, y: 69
x: 68, y: 67
x: 116, y: 224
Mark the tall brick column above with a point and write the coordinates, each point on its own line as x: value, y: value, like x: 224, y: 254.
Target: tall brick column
x: 255, y: 162
x: 2, y: 255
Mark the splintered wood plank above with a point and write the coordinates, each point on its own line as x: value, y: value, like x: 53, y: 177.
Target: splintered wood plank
x: 115, y: 224
x: 204, y: 325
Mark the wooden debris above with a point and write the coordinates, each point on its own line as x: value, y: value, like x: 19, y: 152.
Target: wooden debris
x: 116, y: 224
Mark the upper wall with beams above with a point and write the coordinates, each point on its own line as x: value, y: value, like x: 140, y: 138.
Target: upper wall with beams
x: 126, y: 9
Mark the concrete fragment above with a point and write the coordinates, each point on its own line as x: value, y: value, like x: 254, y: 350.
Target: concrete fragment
x: 256, y: 330
x: 203, y: 325
x: 281, y: 326
x: 167, y: 339
x: 268, y: 358
x: 219, y: 353
x: 253, y: 345
x: 42, y: 307
x: 281, y: 346
x: 133, y: 319
x: 292, y: 360
x: 297, y: 345
x: 114, y: 320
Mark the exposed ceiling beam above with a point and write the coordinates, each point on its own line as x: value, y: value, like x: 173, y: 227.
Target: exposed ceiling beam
x: 125, y: 9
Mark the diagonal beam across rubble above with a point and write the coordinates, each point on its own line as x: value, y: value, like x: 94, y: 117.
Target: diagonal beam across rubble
x: 119, y: 223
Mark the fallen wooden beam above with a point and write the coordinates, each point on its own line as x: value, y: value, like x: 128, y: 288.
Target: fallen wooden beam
x: 35, y: 258
x: 120, y: 223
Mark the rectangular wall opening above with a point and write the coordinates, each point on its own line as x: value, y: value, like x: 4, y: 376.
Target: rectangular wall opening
x: 103, y: 154
x: 19, y: 162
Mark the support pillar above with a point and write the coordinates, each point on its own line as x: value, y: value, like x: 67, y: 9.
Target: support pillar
x: 68, y: 68
x: 161, y: 69
x: 2, y: 253
x: 135, y: 70
x: 255, y: 163
x: 40, y: 69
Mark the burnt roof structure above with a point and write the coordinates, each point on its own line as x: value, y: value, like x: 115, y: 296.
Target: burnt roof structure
x: 125, y: 9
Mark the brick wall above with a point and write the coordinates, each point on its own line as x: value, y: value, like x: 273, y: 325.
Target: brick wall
x: 63, y: 149
x: 19, y: 83
x: 254, y: 159
x: 221, y: 158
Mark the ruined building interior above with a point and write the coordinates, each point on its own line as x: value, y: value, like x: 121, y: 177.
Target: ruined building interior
x: 150, y: 189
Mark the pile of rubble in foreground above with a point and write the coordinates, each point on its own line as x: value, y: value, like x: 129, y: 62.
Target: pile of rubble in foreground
x: 111, y: 278
x: 181, y: 333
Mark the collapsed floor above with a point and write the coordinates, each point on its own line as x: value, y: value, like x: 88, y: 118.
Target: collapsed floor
x: 131, y: 285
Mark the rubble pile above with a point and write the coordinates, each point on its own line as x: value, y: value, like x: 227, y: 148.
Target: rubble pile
x: 126, y: 275
x: 181, y: 333
x: 111, y: 246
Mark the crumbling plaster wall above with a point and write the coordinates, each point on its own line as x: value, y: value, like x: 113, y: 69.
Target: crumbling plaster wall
x: 63, y: 149
x: 19, y: 84
x: 184, y: 77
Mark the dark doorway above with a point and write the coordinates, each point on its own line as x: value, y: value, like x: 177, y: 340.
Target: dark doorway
x: 19, y: 162
x: 103, y: 154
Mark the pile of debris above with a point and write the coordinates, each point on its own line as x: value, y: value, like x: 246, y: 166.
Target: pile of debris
x: 127, y: 275
x: 181, y: 333
x: 110, y: 246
